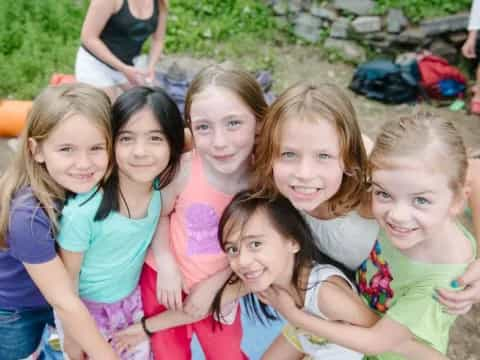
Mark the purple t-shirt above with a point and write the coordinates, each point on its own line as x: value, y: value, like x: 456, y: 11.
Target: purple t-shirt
x: 29, y: 240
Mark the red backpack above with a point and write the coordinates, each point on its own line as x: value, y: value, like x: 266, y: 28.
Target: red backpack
x: 437, y: 74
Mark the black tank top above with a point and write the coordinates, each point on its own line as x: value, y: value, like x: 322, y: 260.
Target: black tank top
x: 125, y: 34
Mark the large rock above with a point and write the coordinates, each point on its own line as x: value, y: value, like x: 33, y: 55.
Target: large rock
x: 339, y: 28
x: 413, y: 37
x: 323, y: 13
x: 358, y: 7
x: 307, y: 27
x: 367, y: 24
x: 396, y: 21
x: 445, y: 24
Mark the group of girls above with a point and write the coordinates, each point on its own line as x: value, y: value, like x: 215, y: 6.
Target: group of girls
x: 138, y: 243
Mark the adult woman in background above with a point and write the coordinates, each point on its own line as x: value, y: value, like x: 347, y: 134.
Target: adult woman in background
x: 113, y: 34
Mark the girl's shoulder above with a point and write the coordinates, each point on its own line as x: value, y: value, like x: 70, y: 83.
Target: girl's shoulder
x: 327, y: 285
x: 178, y: 184
x: 25, y: 207
x: 344, y: 227
x: 86, y: 203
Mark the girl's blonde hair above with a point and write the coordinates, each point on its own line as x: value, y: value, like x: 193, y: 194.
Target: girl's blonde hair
x: 423, y: 136
x: 310, y: 102
x: 52, y: 106
x: 233, y: 79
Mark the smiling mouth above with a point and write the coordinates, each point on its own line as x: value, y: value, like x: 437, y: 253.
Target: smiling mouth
x: 222, y: 157
x: 141, y: 165
x: 305, y: 190
x: 252, y: 275
x: 400, y: 230
x: 82, y: 177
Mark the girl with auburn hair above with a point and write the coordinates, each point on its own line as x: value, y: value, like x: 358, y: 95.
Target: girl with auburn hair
x: 418, y: 172
x: 310, y: 150
x: 223, y: 109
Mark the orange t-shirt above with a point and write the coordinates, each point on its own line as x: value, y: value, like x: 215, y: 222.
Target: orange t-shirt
x: 194, y: 228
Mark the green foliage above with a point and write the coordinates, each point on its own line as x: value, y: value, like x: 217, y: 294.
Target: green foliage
x: 417, y: 10
x: 36, y: 39
x: 198, y: 26
x: 40, y: 37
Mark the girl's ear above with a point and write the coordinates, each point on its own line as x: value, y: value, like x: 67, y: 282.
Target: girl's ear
x: 35, y: 150
x: 293, y: 246
x: 459, y: 201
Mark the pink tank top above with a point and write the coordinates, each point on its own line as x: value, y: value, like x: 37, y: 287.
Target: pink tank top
x: 194, y: 228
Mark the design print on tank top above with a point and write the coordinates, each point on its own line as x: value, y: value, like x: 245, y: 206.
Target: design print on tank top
x: 202, y: 230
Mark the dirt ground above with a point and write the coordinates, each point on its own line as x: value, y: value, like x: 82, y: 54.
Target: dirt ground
x: 295, y: 63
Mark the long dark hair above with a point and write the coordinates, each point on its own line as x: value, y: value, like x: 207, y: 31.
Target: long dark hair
x: 287, y: 221
x: 166, y: 112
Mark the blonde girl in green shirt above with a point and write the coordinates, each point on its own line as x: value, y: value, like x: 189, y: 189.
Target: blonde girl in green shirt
x: 418, y: 172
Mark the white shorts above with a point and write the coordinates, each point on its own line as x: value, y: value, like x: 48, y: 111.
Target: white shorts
x: 90, y: 70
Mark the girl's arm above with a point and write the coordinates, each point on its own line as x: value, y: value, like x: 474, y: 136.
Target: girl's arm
x: 73, y: 263
x: 135, y: 333
x: 98, y: 14
x: 460, y: 302
x: 158, y: 39
x: 366, y: 334
x: 55, y: 284
x: 169, y: 278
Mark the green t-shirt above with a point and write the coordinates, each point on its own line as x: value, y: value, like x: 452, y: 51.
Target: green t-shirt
x: 113, y: 249
x: 403, y: 290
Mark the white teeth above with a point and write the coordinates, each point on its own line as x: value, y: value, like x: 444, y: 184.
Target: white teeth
x: 83, y: 177
x: 400, y: 229
x: 305, y: 189
x: 253, y: 274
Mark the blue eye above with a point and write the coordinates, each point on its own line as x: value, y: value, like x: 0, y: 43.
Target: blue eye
x: 233, y: 124
x: 66, y: 149
x: 99, y: 148
x: 201, y: 127
x: 324, y: 156
x: 287, y: 155
x: 420, y: 200
x: 382, y: 195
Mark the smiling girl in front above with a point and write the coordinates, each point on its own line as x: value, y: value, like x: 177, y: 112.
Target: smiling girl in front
x: 105, y: 233
x: 418, y: 169
x: 270, y: 248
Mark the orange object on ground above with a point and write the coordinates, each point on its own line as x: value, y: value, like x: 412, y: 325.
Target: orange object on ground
x: 13, y: 115
x: 58, y: 79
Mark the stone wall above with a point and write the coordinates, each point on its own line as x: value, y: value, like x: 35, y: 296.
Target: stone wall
x: 352, y: 26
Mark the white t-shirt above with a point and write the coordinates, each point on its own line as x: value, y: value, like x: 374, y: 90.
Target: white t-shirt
x: 316, y: 347
x: 347, y: 239
x: 474, y: 23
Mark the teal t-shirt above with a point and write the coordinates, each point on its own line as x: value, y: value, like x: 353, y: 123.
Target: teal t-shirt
x: 403, y: 289
x: 113, y: 249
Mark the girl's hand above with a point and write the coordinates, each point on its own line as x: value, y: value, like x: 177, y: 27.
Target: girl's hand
x: 468, y: 48
x: 150, y: 76
x: 279, y: 299
x: 134, y: 76
x: 169, y: 283
x: 73, y: 349
x: 200, y: 299
x: 128, y: 338
x: 460, y: 302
